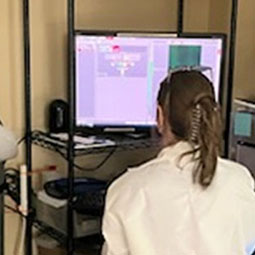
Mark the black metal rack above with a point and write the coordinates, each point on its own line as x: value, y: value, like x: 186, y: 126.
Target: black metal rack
x: 231, y: 70
x: 1, y: 208
x: 118, y: 144
x: 71, y: 81
x: 28, y: 119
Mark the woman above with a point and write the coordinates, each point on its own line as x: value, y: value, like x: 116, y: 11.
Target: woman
x: 187, y: 201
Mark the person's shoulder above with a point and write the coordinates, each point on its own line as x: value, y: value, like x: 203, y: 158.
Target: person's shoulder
x: 148, y: 166
x: 122, y: 192
x: 134, y: 178
x: 131, y: 176
x: 150, y: 171
x: 237, y: 171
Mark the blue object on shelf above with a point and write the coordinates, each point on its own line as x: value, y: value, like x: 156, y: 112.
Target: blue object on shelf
x: 243, y: 124
x: 89, y: 194
x: 59, y: 188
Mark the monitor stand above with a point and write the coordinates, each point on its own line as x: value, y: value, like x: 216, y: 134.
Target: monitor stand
x: 119, y: 130
x: 137, y: 135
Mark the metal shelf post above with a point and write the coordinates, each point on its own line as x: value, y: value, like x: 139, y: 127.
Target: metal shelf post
x: 28, y: 120
x: 180, y: 16
x: 1, y: 209
x: 231, y: 71
x: 71, y: 100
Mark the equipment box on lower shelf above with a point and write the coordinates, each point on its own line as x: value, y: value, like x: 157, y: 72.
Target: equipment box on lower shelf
x: 55, y: 217
x: 242, y: 134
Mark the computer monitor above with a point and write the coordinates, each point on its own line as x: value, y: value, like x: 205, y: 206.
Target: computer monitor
x: 118, y: 75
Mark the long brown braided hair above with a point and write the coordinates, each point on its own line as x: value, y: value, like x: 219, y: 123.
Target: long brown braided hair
x: 188, y: 103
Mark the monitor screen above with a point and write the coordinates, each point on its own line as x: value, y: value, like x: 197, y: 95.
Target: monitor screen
x: 118, y: 77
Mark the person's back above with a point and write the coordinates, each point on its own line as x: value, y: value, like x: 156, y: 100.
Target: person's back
x: 165, y: 207
x: 162, y: 212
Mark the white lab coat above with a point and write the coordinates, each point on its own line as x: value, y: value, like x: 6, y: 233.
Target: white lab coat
x: 156, y: 209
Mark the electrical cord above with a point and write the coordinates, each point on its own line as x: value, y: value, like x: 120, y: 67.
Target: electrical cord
x: 12, y: 183
x: 22, y: 139
x: 100, y: 164
x: 92, y: 169
x: 39, y: 226
x: 15, y: 170
x: 14, y: 210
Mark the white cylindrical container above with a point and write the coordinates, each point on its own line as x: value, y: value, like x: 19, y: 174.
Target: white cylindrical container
x: 23, y: 190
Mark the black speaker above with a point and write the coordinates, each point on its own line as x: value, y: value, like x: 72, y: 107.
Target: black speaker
x: 58, y: 116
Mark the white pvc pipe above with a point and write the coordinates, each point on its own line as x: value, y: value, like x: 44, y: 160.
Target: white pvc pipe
x: 23, y: 190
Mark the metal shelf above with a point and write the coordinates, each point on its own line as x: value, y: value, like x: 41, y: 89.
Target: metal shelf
x: 53, y: 233
x: 67, y: 150
x: 121, y: 144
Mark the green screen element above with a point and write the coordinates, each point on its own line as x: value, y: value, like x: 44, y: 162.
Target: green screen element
x: 184, y: 56
x: 243, y: 124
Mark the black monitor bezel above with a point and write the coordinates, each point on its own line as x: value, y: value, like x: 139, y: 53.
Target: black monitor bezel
x: 133, y: 128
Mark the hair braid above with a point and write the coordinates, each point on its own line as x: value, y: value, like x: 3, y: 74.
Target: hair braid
x: 207, y: 140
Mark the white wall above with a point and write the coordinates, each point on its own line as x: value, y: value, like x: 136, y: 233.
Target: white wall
x: 244, y: 85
